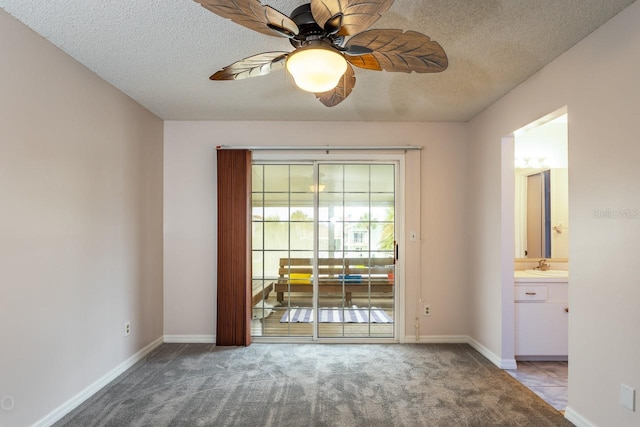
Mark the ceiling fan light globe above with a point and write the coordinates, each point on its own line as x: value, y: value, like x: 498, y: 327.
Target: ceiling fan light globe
x: 316, y: 70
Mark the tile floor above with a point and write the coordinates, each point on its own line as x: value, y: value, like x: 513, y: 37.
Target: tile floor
x: 549, y: 380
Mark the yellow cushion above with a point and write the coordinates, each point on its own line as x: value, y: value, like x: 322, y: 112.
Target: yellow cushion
x: 300, y: 278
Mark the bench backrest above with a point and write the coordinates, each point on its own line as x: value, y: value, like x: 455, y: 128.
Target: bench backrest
x: 334, y: 267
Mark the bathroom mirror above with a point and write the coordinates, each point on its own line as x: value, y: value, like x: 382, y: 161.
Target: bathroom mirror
x: 533, y: 213
x: 541, y: 191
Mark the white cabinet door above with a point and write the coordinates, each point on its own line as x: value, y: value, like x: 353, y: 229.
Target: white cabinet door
x: 542, y: 329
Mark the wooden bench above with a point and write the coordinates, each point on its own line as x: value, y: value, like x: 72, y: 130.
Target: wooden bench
x: 335, y: 276
x: 258, y: 294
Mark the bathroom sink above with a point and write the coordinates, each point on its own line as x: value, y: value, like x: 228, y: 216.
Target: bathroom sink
x: 549, y: 273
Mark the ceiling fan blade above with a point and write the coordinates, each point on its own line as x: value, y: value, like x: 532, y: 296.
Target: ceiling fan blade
x: 254, y: 15
x: 401, y: 52
x: 355, y: 50
x: 334, y: 24
x: 357, y: 15
x: 341, y: 91
x: 368, y: 62
x: 253, y: 66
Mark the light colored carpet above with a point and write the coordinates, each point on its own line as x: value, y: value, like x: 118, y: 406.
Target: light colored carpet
x: 448, y: 385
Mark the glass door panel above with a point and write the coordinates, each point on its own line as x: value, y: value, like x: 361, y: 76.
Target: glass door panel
x: 356, y: 250
x: 283, y: 234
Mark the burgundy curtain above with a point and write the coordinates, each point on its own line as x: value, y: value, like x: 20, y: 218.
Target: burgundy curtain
x: 233, y: 323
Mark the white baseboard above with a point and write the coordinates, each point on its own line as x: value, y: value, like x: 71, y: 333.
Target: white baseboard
x: 493, y: 358
x: 94, y: 387
x: 435, y: 339
x: 576, y: 418
x: 190, y: 339
x: 462, y: 339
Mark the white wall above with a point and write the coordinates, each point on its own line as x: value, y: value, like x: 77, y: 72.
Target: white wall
x: 80, y: 226
x: 598, y: 81
x: 190, y: 213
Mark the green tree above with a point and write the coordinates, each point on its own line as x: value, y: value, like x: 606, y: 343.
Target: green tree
x: 364, y: 223
x: 299, y: 216
x: 388, y: 232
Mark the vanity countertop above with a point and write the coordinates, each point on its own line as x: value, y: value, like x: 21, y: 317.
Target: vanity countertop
x: 522, y: 276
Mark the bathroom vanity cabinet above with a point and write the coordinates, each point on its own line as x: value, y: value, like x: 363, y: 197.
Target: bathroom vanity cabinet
x: 541, y: 318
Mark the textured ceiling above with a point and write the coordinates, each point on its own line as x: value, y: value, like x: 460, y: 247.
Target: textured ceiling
x: 162, y: 52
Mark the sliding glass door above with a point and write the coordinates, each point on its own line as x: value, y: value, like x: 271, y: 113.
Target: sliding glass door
x: 356, y: 236
x: 323, y: 250
x: 283, y: 220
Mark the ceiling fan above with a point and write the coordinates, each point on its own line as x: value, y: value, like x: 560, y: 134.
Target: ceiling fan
x: 322, y: 60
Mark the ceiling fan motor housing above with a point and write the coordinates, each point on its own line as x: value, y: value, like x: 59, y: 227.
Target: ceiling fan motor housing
x: 310, y: 30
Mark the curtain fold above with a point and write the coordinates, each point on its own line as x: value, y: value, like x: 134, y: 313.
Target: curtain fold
x: 233, y: 319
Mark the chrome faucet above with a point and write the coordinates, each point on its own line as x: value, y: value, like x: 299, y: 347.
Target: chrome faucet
x: 542, y: 265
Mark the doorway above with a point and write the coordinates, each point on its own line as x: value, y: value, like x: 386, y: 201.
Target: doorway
x: 535, y: 275
x: 324, y: 249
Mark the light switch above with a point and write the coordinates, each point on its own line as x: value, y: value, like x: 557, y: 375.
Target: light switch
x: 413, y: 236
x: 628, y: 397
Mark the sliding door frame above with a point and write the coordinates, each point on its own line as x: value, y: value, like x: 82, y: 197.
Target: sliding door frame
x: 363, y: 157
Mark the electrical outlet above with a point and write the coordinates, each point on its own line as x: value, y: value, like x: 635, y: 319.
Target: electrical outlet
x: 628, y: 397
x: 427, y: 310
x: 127, y: 329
